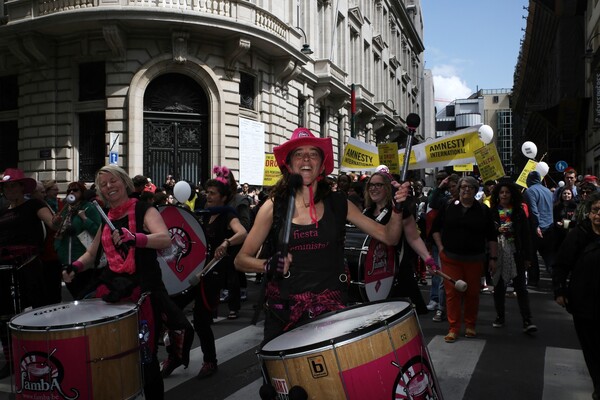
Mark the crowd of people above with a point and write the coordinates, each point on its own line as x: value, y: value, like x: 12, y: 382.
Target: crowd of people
x: 478, y: 232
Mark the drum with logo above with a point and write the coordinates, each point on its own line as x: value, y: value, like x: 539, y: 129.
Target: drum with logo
x: 187, y: 254
x: 377, y: 267
x: 372, y: 351
x: 80, y: 350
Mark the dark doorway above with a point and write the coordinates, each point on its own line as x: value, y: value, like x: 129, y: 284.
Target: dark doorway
x: 176, y: 130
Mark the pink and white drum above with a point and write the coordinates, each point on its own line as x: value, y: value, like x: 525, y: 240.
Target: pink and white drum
x: 187, y: 254
x: 372, y: 351
x: 377, y: 268
x: 80, y: 350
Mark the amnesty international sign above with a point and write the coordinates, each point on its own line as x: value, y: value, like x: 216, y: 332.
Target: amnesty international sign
x: 359, y: 156
x: 488, y: 161
x: 451, y: 150
x: 530, y: 166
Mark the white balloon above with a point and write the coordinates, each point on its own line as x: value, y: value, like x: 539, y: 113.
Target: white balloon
x: 542, y: 168
x: 529, y: 149
x: 561, y: 183
x: 182, y: 191
x: 486, y: 134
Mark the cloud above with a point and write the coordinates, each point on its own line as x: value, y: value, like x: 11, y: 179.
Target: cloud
x: 448, y: 85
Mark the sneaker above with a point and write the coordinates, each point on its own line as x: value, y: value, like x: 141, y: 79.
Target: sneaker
x: 439, y: 316
x: 224, y: 295
x: 529, y: 327
x: 208, y: 369
x: 169, y: 365
x: 432, y: 305
x: 498, y: 322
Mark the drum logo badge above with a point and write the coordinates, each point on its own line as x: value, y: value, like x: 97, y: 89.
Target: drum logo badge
x: 317, y: 365
x: 43, y: 373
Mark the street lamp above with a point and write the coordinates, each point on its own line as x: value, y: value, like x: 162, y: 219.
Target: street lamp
x: 305, y: 47
x: 589, y: 50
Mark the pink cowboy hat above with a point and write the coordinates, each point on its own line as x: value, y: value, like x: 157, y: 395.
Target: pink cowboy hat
x: 17, y: 175
x: 304, y: 137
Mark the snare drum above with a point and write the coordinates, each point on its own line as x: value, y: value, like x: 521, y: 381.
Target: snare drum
x: 80, y: 350
x: 186, y: 256
x: 377, y: 267
x: 372, y: 351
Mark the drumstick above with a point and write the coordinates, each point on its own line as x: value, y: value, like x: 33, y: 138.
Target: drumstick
x: 412, y: 122
x: 459, y: 285
x: 123, y: 247
x: 195, y: 279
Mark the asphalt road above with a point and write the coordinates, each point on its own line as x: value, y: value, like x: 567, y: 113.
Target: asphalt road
x: 500, y: 363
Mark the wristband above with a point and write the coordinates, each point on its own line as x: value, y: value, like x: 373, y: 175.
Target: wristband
x: 141, y: 240
x: 76, y: 266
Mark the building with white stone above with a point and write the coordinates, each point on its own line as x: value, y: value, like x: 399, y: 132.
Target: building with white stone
x: 169, y: 80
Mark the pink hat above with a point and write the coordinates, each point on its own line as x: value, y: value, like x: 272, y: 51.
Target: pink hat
x: 304, y: 137
x: 17, y: 175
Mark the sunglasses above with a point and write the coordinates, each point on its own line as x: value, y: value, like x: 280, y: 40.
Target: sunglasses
x: 73, y: 190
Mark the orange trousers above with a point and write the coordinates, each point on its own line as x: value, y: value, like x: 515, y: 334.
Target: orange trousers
x: 470, y: 272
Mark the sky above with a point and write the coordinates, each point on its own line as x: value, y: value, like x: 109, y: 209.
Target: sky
x: 471, y: 45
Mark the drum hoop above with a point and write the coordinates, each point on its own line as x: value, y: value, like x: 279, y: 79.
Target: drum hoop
x: 346, y: 338
x: 63, y: 327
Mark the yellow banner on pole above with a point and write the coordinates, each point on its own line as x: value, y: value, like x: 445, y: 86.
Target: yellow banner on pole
x: 463, y: 167
x: 454, y: 147
x: 489, y: 163
x: 530, y: 166
x: 359, y: 156
x: 388, y: 156
x: 272, y: 171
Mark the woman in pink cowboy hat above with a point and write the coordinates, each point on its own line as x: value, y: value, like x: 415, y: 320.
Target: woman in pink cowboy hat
x: 310, y: 278
x: 21, y: 240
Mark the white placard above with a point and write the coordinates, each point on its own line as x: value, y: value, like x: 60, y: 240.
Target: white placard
x: 252, y: 152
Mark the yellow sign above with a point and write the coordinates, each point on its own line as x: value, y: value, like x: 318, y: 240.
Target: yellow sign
x: 388, y: 156
x: 272, y: 171
x: 463, y: 167
x: 488, y: 161
x: 359, y: 156
x: 454, y: 147
x: 411, y: 161
x: 530, y: 166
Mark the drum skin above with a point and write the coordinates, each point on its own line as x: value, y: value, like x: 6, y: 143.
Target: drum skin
x: 365, y: 363
x: 97, y: 358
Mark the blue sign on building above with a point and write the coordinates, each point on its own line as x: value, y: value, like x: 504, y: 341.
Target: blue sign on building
x: 113, y: 157
x: 561, y: 166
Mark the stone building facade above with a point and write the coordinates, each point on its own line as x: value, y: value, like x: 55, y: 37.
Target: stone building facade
x: 169, y: 80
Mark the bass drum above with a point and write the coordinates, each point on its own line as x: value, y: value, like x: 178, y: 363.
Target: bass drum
x: 377, y: 268
x: 187, y: 254
x: 80, y: 350
x: 372, y: 351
